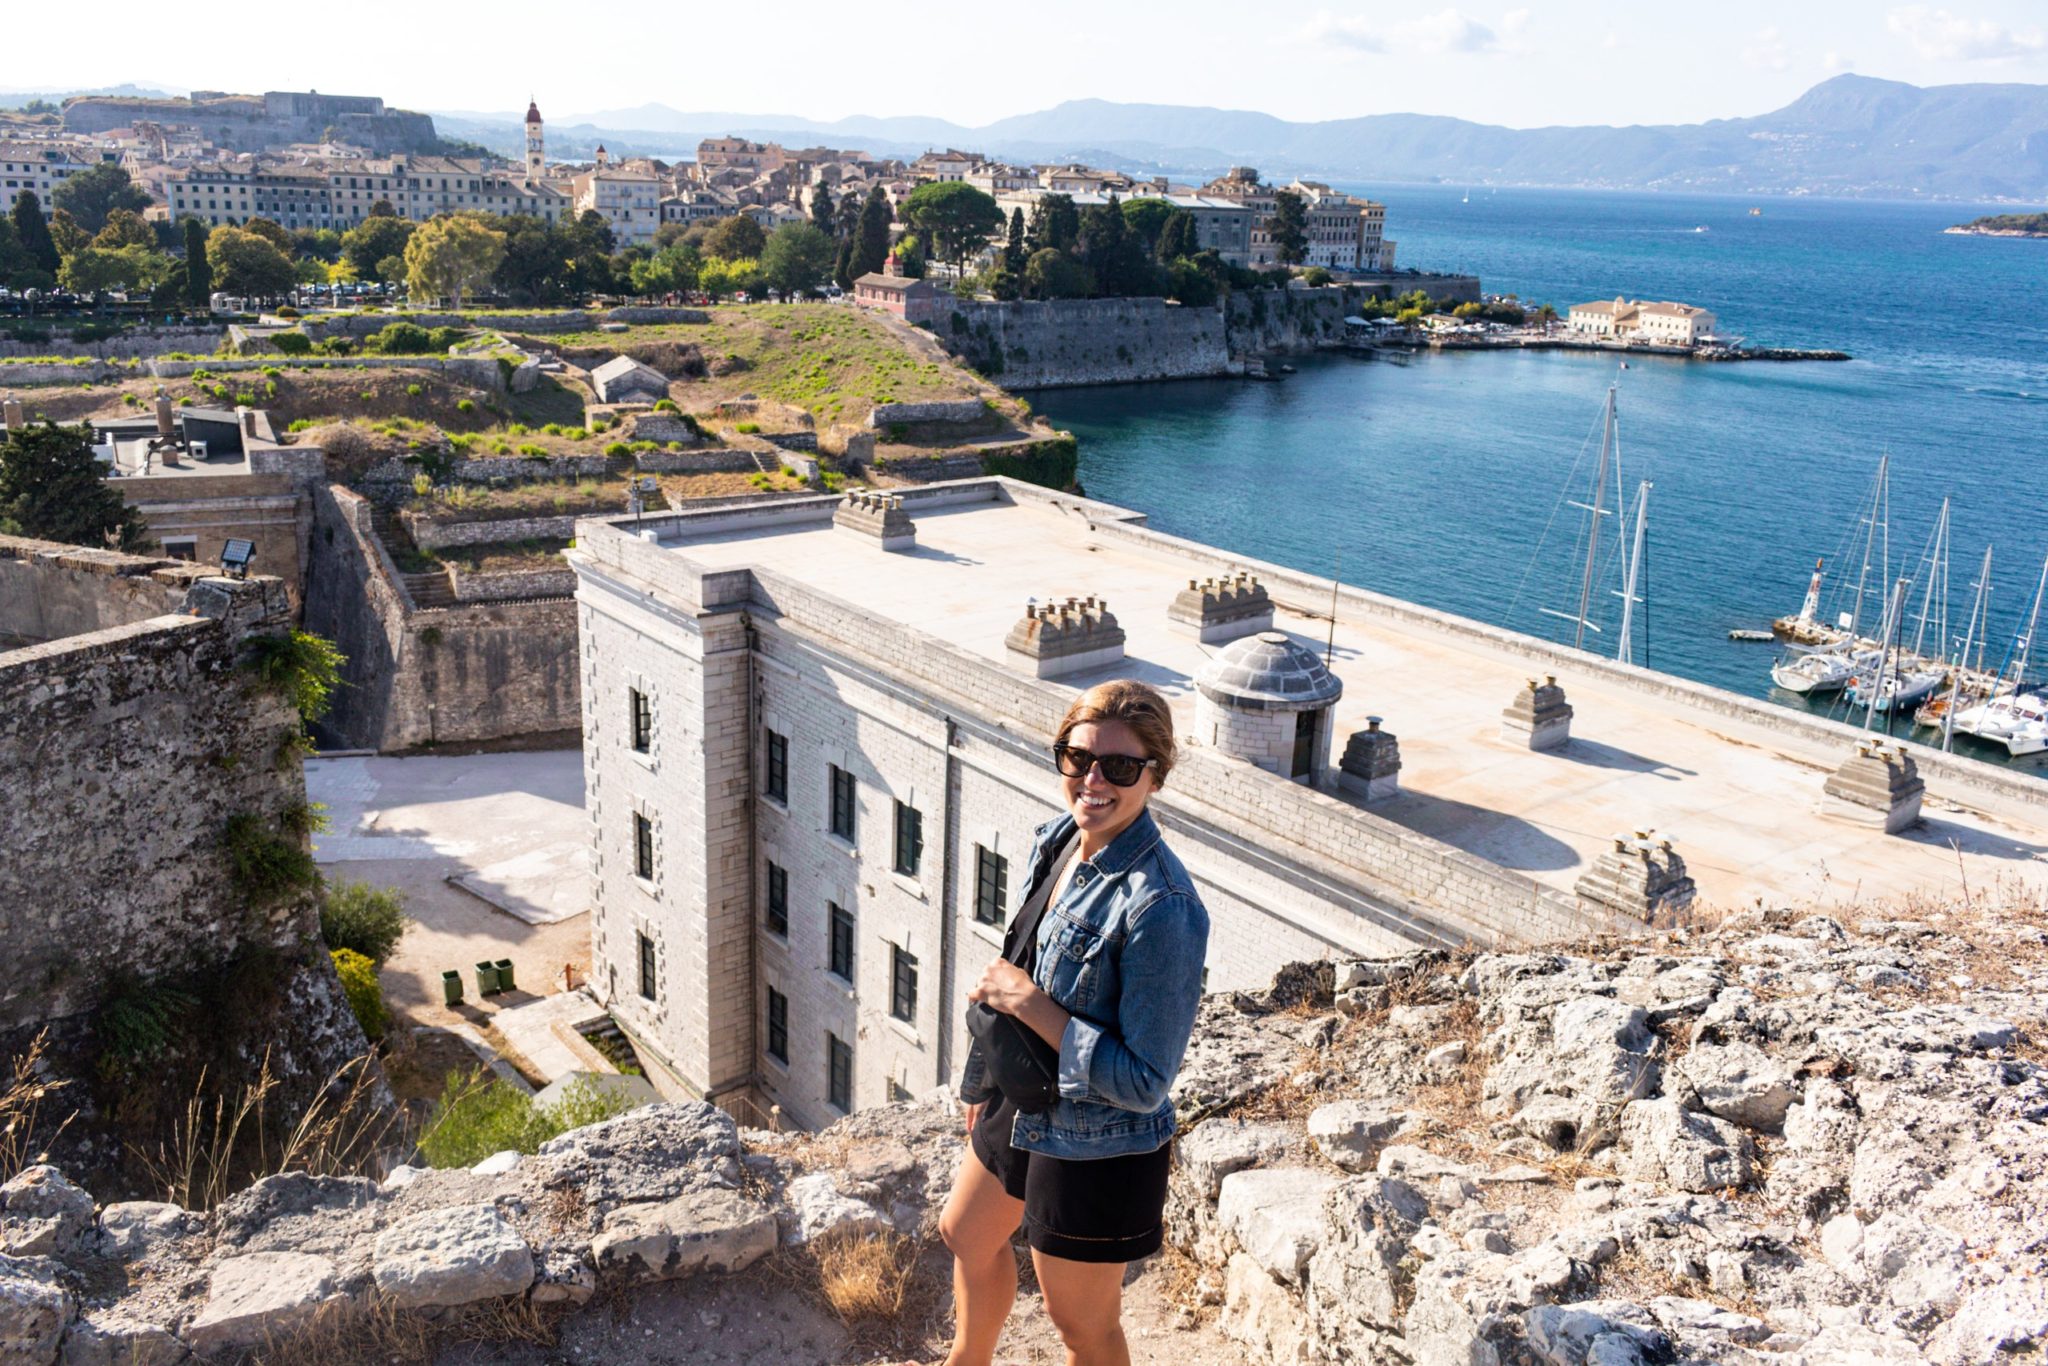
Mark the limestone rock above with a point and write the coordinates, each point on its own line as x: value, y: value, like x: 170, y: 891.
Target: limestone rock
x: 1679, y: 1315
x: 113, y: 1339
x: 1741, y: 1083
x: 1351, y: 1133
x: 1855, y: 1345
x: 42, y: 1214
x: 817, y: 1208
x: 1276, y: 1215
x: 33, y: 1311
x: 498, y: 1164
x: 655, y: 1153
x: 131, y: 1228
x: 1215, y: 1148
x: 260, y: 1296
x: 1359, y: 1277
x: 451, y: 1256
x: 1995, y: 1323
x: 711, y: 1230
x: 1918, y: 1265
x: 1263, y: 1314
x: 1693, y: 1152
x: 562, y: 1275
x: 1594, y: 1330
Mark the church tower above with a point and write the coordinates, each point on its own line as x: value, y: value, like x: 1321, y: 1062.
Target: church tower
x: 535, y: 160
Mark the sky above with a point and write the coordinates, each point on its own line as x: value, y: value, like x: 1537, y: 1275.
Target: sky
x: 1522, y: 64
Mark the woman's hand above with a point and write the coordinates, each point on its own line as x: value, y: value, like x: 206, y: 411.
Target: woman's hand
x: 1004, y: 986
x: 1008, y: 988
x: 973, y: 1117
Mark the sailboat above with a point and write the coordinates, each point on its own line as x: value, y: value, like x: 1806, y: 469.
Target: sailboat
x: 1874, y: 519
x: 1634, y: 555
x: 1913, y: 676
x: 1941, y: 711
x: 1822, y: 671
x: 2011, y: 708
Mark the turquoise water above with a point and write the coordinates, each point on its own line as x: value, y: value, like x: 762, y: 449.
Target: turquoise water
x: 1440, y: 480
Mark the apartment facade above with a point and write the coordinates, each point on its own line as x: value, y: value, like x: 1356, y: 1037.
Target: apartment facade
x: 341, y: 196
x: 38, y: 168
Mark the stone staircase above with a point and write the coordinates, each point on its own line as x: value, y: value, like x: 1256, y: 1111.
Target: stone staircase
x: 427, y: 588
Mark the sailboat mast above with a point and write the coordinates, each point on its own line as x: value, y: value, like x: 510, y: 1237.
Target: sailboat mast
x: 1935, y: 552
x: 1893, y: 620
x: 1599, y: 509
x: 1869, y: 544
x: 1955, y: 690
x: 1624, y: 651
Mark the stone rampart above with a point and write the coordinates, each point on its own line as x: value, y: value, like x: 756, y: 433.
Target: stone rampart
x: 512, y: 586
x: 124, y: 346
x: 429, y: 534
x: 483, y: 671
x: 487, y: 469
x: 129, y: 740
x: 943, y: 411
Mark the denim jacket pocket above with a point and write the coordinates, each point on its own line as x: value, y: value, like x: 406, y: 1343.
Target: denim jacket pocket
x: 1076, y: 964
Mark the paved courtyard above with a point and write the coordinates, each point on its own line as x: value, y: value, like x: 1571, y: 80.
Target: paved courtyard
x: 491, y: 852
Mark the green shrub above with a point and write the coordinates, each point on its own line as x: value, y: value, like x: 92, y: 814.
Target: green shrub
x: 422, y: 485
x: 368, y: 920
x: 266, y: 867
x: 618, y: 448
x: 285, y: 311
x: 445, y: 338
x: 479, y: 1114
x: 137, y: 1023
x: 465, y: 405
x: 516, y: 429
x: 414, y: 390
x: 300, y: 424
x: 401, y: 339
x: 552, y: 429
x: 573, y: 433
x: 303, y: 666
x: 666, y: 405
x: 365, y: 993
x: 528, y: 449
x: 746, y: 428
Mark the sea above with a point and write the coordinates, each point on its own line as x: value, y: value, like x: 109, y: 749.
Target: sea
x: 1453, y: 479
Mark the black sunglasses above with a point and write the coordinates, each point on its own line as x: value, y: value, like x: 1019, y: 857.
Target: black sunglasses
x: 1122, y: 770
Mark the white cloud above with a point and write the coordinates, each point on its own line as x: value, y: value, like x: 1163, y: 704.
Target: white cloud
x: 1939, y: 35
x: 1766, y: 50
x: 1447, y: 30
x: 1612, y: 42
x: 1835, y: 61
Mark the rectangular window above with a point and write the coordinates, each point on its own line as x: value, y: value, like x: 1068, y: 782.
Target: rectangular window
x: 842, y: 803
x: 778, y: 767
x: 1304, y: 744
x: 902, y: 985
x: 839, y: 1073
x: 643, y: 846
x: 648, y: 981
x: 778, y: 900
x: 643, y: 721
x: 991, y: 886
x: 909, y: 839
x: 841, y: 961
x: 778, y: 1026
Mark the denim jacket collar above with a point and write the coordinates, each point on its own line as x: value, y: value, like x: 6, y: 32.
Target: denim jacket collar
x: 1132, y: 843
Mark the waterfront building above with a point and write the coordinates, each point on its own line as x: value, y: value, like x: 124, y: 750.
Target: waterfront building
x: 815, y: 748
x: 1614, y: 317
x: 1620, y: 319
x: 1344, y: 232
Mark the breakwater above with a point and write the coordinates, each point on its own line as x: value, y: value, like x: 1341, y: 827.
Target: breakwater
x: 1519, y: 341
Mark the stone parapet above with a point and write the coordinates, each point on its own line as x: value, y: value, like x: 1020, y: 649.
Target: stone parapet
x: 1063, y: 638
x: 1216, y: 610
x: 878, y: 516
x: 1641, y: 877
x: 1878, y: 785
x: 1539, y: 717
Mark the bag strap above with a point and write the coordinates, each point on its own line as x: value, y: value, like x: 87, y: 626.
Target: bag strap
x: 1025, y: 927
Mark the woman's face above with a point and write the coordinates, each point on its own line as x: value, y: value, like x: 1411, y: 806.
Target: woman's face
x: 1100, y: 808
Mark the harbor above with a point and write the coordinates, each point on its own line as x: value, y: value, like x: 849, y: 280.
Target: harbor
x: 1379, y: 335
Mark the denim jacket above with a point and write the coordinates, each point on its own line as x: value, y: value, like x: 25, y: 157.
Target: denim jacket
x: 1121, y: 951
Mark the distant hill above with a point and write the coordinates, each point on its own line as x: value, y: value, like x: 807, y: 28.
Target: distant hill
x: 1849, y: 136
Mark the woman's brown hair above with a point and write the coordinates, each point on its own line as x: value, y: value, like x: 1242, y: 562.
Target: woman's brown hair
x: 1137, y: 705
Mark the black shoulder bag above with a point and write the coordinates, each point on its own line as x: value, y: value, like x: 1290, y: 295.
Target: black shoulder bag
x: 1023, y: 1066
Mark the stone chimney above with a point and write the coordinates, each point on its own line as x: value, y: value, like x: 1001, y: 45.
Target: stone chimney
x: 1371, y: 766
x: 247, y: 418
x: 166, y: 427
x: 1219, y: 610
x: 1641, y: 877
x: 878, y: 517
x: 1876, y: 786
x: 11, y: 414
x: 1538, y: 717
x: 1064, y: 638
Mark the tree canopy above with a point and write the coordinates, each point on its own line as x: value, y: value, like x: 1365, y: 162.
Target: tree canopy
x: 246, y: 264
x: 731, y: 239
x: 954, y: 218
x: 1052, y: 274
x: 1056, y: 224
x: 1289, y: 227
x: 198, y: 272
x: 1147, y: 218
x: 51, y: 488
x: 96, y: 192
x: 95, y: 270
x: 373, y: 240
x: 33, y: 232
x: 871, y: 240
x: 450, y: 256
x: 125, y: 228
x: 797, y: 259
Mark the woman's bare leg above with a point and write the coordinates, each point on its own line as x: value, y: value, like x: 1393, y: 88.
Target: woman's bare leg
x: 980, y: 1216
x: 1085, y: 1301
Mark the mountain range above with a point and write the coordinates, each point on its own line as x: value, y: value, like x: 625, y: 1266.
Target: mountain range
x: 1849, y: 136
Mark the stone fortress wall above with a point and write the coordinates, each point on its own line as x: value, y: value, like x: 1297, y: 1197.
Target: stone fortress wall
x: 250, y: 123
x: 482, y: 670
x: 1070, y: 342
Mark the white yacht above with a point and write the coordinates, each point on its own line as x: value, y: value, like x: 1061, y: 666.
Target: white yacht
x: 1822, y: 671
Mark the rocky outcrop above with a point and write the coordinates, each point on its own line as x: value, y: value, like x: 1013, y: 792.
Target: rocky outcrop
x: 1781, y: 1143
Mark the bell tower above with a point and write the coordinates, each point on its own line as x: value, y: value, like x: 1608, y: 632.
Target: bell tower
x: 535, y: 158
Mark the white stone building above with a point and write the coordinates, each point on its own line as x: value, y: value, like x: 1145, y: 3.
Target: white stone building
x: 38, y: 167
x: 813, y: 766
x: 1669, y: 324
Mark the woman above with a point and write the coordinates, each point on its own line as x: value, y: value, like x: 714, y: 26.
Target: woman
x: 1114, y: 983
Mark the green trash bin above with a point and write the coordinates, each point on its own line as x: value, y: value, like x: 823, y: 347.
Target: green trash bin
x: 451, y: 986
x: 487, y: 978
x: 504, y: 967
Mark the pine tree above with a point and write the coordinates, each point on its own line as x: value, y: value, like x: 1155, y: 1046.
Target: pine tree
x: 51, y: 488
x: 1013, y: 250
x: 198, y: 273
x: 822, y: 215
x: 871, y: 252
x: 1289, y: 227
x: 34, y: 232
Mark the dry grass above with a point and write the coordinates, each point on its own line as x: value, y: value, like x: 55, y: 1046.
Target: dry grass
x: 1181, y: 1283
x: 347, y: 1331
x: 224, y: 1141
x: 1638, y: 1275
x: 865, y: 1277
x: 21, y: 1108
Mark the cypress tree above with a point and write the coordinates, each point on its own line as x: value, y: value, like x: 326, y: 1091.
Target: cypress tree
x: 34, y: 232
x: 198, y: 271
x: 1013, y: 249
x: 871, y: 251
x: 822, y: 216
x: 51, y: 488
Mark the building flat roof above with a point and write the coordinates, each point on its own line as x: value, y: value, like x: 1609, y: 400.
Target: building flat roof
x: 1737, y: 796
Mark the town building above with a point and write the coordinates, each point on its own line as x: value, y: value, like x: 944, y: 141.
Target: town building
x: 340, y: 194
x: 913, y: 300
x: 627, y: 196
x: 39, y: 168
x: 1621, y: 319
x: 1614, y: 317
